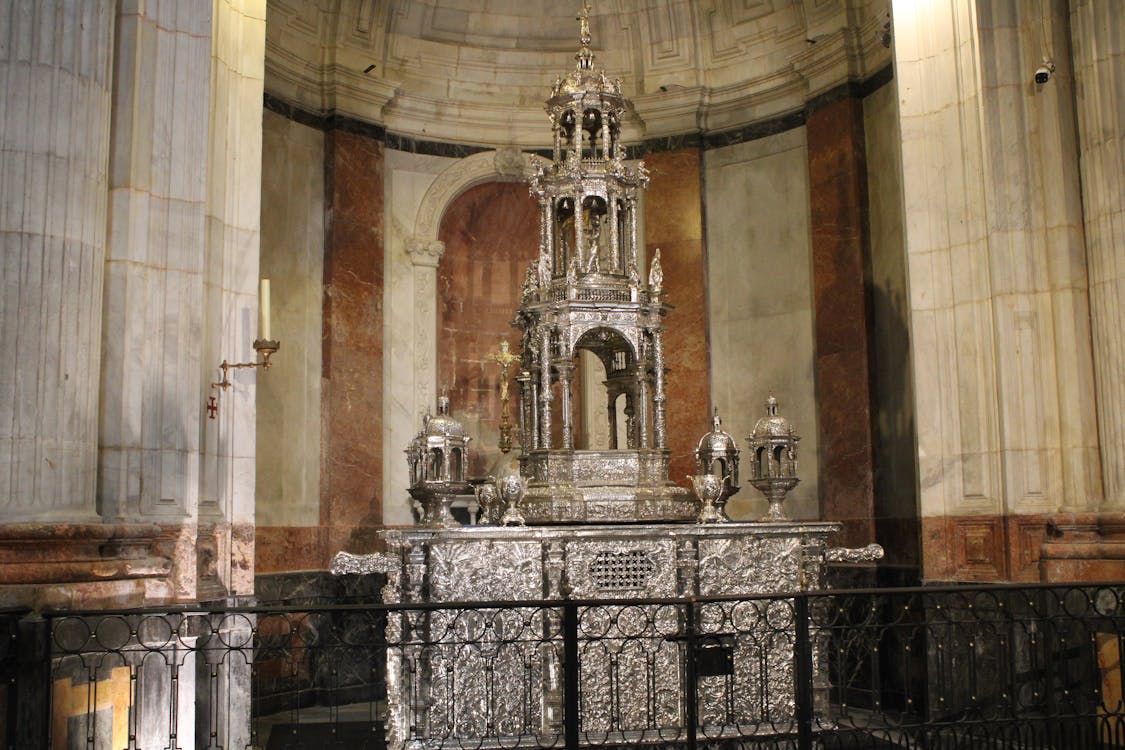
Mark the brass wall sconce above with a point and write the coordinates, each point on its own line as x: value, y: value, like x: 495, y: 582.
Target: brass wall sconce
x: 264, y: 345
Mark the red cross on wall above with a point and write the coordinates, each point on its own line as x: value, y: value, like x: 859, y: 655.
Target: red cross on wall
x: 212, y: 407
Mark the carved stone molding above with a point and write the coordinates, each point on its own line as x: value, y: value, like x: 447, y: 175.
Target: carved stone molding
x: 423, y: 252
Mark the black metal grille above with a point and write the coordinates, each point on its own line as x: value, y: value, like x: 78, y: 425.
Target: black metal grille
x: 953, y: 667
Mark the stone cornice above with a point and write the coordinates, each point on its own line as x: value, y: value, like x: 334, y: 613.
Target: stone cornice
x: 786, y: 113
x: 688, y: 69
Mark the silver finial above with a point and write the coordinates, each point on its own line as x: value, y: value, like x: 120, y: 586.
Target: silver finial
x: 584, y: 56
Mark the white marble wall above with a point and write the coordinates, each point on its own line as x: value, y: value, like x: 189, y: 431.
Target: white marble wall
x: 896, y: 476
x: 760, y: 299
x: 151, y: 369
x: 54, y: 140
x: 230, y: 320
x: 1003, y: 392
x: 292, y: 257
x: 1098, y: 43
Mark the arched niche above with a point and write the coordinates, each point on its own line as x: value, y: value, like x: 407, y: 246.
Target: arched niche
x: 490, y: 237
x: 604, y: 390
x: 413, y: 252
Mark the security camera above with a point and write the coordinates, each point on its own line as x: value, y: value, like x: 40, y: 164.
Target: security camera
x: 1044, y: 71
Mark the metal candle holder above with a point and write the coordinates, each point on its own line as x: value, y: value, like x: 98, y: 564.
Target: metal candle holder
x: 263, y: 347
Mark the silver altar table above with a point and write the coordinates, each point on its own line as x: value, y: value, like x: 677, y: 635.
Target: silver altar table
x: 491, y: 676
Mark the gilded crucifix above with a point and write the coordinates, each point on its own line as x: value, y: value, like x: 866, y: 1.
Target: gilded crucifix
x: 505, y: 359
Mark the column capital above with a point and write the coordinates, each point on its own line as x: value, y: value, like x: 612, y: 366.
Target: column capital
x: 425, y: 252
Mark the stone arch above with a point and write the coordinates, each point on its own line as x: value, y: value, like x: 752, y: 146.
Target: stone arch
x: 504, y: 165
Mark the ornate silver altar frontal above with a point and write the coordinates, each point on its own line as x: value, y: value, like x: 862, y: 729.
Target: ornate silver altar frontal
x: 489, y: 677
x: 584, y: 292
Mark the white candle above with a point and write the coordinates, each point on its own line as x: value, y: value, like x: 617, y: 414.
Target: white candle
x: 264, y: 310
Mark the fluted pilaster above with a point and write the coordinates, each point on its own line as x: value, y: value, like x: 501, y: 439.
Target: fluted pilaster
x: 149, y: 456
x: 233, y: 227
x: 54, y: 143
x: 1098, y: 42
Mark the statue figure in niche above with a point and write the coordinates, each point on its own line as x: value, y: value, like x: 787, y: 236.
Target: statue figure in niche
x: 528, y: 282
x: 544, y: 270
x: 564, y: 235
x: 656, y: 274
x: 593, y: 230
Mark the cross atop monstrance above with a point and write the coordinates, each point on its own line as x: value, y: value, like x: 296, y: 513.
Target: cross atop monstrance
x: 584, y: 56
x: 505, y: 359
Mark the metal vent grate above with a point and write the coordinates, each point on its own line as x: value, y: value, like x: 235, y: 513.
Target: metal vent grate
x: 622, y: 571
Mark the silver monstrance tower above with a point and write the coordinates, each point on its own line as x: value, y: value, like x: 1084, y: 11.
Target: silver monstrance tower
x: 584, y: 292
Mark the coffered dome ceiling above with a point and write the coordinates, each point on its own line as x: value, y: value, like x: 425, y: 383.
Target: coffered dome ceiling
x: 478, y: 71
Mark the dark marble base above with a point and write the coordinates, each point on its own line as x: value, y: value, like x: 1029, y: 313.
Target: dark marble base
x: 307, y: 588
x: 319, y: 658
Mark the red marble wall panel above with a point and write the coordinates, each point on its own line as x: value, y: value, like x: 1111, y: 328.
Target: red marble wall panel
x: 1088, y: 547
x: 969, y: 548
x: 984, y: 548
x: 352, y: 354
x: 1025, y: 537
x: 287, y: 548
x: 674, y: 223
x: 840, y: 263
x: 491, y: 236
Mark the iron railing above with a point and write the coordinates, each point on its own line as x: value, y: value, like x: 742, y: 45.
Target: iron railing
x: 948, y: 667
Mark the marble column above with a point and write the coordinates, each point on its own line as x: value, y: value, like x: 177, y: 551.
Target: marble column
x: 611, y: 413
x: 425, y: 255
x: 1004, y: 393
x: 152, y: 374
x: 1098, y: 42
x: 760, y: 299
x: 351, y: 500
x: 55, y: 65
x: 840, y: 266
x: 674, y: 223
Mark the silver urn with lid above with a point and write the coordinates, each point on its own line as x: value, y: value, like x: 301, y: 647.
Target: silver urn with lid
x: 437, y: 458
x: 773, y: 462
